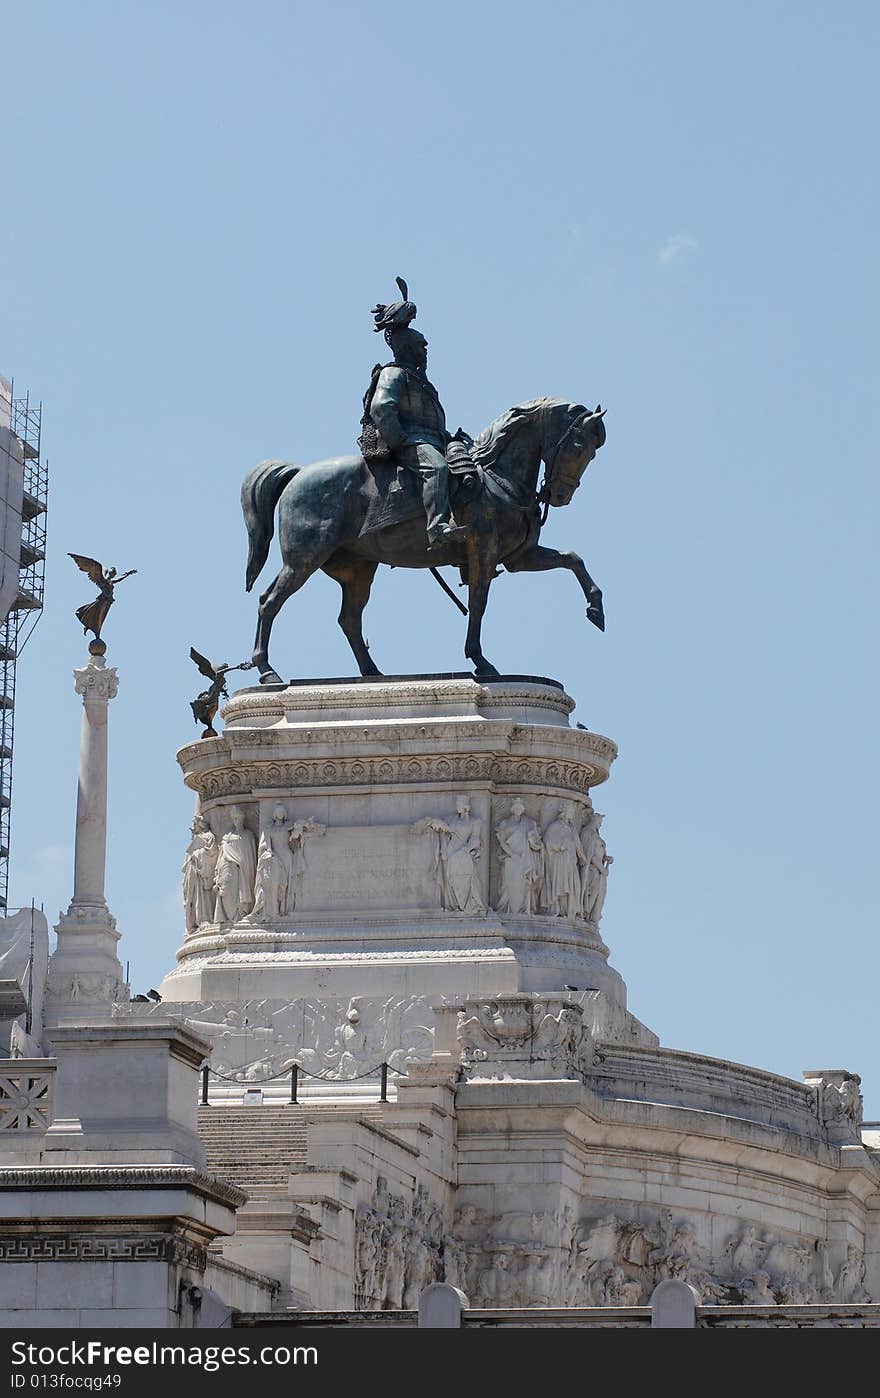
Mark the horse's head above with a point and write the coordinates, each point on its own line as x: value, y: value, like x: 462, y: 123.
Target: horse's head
x: 565, y: 436
x: 572, y: 435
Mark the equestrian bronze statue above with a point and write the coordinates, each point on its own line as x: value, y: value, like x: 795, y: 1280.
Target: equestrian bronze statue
x: 419, y: 497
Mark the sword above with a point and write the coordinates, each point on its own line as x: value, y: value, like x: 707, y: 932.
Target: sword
x: 448, y: 590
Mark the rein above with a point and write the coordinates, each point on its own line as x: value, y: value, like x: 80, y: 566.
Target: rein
x: 501, y: 489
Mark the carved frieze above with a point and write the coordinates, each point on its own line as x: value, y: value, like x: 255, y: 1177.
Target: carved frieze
x: 618, y: 1260
x: 338, y: 1040
x: 246, y: 777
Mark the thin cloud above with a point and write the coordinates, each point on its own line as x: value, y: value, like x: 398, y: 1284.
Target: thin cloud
x: 676, y: 247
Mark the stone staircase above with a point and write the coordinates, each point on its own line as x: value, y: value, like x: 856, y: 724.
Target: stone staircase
x: 253, y: 1145
x: 259, y: 1146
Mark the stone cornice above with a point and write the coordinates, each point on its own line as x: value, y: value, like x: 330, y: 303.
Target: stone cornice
x: 184, y: 1044
x: 111, y: 1177
x: 388, y: 693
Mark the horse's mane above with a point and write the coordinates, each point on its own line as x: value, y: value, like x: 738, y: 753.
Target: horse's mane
x: 492, y: 442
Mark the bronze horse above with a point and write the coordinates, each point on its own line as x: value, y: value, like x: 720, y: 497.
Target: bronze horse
x: 322, y: 509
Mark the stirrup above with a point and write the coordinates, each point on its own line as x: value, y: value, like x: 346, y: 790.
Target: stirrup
x: 447, y: 534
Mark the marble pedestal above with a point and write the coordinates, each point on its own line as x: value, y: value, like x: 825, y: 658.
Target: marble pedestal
x: 381, y: 803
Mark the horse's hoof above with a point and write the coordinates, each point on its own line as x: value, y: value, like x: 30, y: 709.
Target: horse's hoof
x: 270, y: 677
x: 485, y: 671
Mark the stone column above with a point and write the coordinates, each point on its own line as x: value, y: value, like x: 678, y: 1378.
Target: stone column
x: 84, y: 971
x: 98, y: 685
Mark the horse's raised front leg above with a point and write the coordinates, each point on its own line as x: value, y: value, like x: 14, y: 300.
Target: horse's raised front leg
x: 288, y: 581
x: 481, y: 570
x: 539, y: 559
x: 355, y: 579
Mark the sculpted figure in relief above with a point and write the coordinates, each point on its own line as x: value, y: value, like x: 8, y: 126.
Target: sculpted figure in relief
x: 563, y: 859
x: 457, y: 847
x: 281, y: 864
x: 746, y: 1253
x: 850, y: 1284
x: 621, y: 1290
x: 523, y: 861
x: 350, y: 1045
x: 594, y: 872
x: 397, y: 1248
x: 395, y: 1254
x: 756, y: 1290
x: 236, y: 871
x: 297, y: 841
x: 274, y: 865
x: 495, y: 1281
x: 851, y: 1100
x: 198, y: 875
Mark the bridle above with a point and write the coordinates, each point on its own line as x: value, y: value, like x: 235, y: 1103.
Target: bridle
x: 551, y: 467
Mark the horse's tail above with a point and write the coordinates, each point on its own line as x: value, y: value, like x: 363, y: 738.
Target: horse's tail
x: 260, y: 493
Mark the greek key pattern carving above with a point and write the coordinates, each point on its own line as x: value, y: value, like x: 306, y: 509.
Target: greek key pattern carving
x: 569, y: 776
x: 157, y: 1247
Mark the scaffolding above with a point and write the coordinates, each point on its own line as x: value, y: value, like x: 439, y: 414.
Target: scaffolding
x: 26, y: 608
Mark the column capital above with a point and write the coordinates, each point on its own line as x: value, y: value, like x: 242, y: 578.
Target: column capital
x: 97, y: 680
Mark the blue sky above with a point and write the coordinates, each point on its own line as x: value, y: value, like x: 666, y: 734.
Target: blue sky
x: 671, y: 209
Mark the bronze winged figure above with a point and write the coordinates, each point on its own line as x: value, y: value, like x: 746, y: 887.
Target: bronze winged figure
x: 93, y: 614
x: 206, y: 704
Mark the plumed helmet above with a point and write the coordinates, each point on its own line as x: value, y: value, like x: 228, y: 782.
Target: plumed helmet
x: 398, y: 315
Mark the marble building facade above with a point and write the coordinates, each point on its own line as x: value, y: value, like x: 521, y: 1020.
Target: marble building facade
x: 413, y: 873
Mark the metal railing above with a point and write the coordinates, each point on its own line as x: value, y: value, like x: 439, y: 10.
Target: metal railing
x: 296, y: 1071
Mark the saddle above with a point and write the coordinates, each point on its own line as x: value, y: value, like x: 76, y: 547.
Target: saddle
x: 394, y: 493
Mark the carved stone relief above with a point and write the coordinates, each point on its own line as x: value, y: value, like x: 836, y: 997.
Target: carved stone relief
x: 576, y: 776
x: 524, y: 1037
x: 336, y: 1039
x: 281, y: 864
x: 456, y: 847
x: 522, y: 855
x: 235, y: 870
x: 554, y: 866
x: 540, y: 1259
x: 26, y: 1100
x: 398, y: 1249
x: 563, y: 860
x: 594, y: 872
x: 199, y: 867
x: 838, y: 1100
